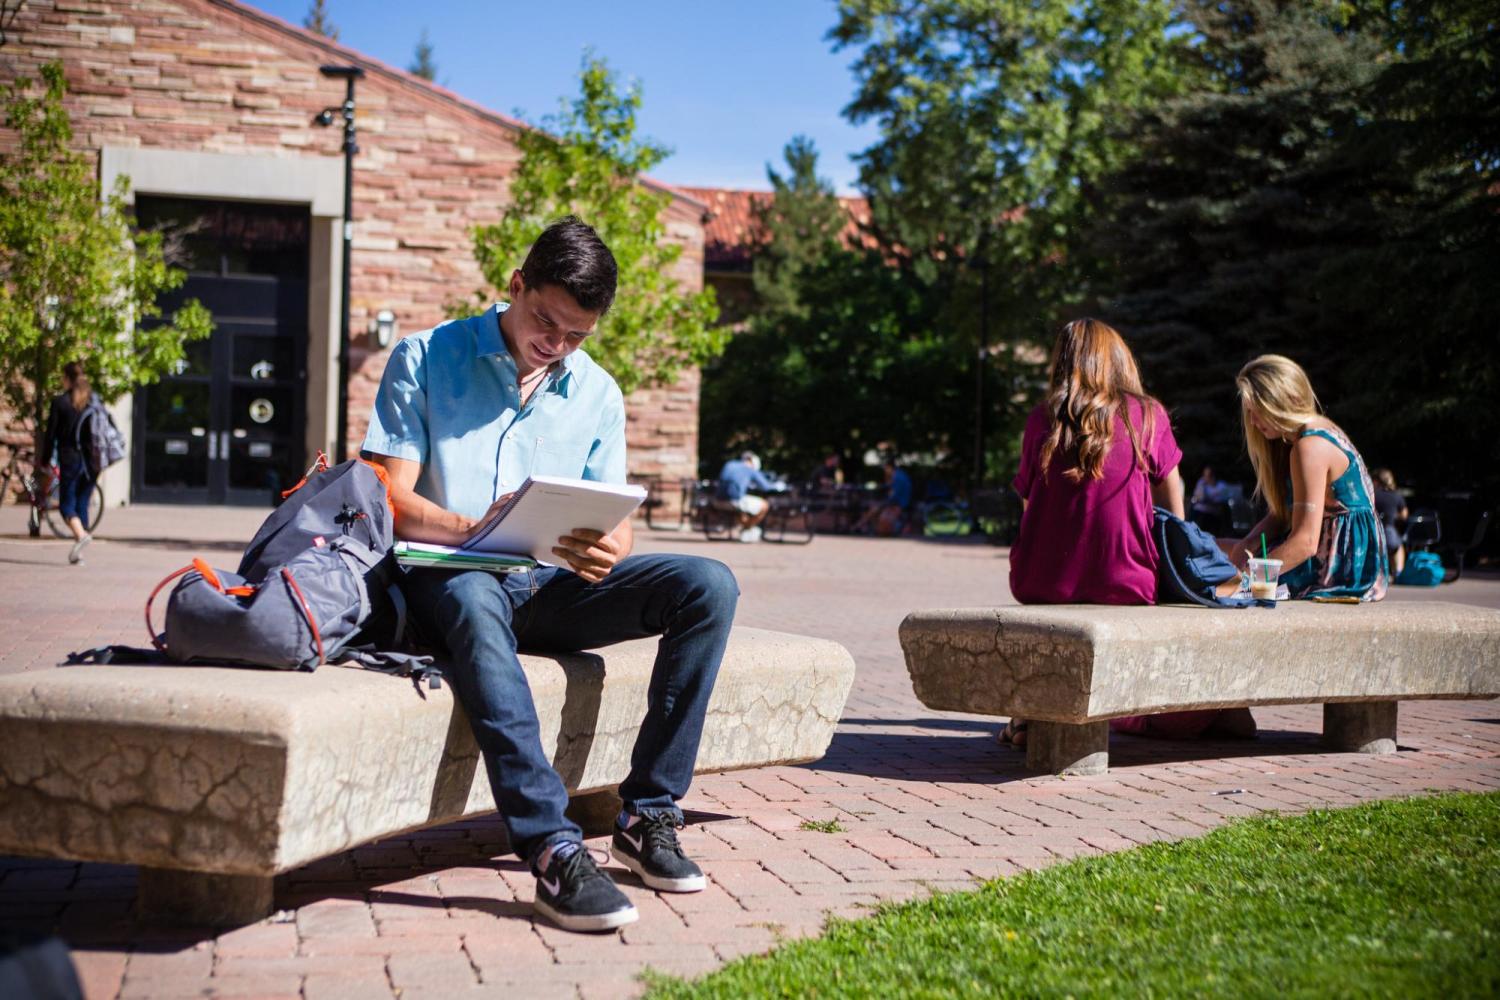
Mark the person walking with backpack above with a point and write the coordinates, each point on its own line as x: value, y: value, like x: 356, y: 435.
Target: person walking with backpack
x: 465, y: 413
x: 70, y: 436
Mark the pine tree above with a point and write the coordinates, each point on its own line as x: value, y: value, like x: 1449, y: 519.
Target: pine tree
x: 839, y: 340
x: 1423, y: 376
x: 1332, y: 198
x: 801, y: 222
x: 317, y: 21
x: 1215, y: 223
x: 422, y: 63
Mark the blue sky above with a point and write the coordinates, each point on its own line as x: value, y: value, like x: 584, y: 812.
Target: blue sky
x: 725, y: 84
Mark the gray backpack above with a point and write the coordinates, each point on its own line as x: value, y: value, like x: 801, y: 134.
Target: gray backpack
x: 106, y: 443
x: 315, y: 585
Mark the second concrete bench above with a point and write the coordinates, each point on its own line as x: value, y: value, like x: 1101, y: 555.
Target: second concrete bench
x: 214, y: 780
x: 1069, y: 669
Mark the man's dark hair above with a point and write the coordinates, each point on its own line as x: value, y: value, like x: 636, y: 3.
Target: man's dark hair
x: 571, y: 255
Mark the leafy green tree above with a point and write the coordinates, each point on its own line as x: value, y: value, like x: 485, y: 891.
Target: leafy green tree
x: 802, y: 222
x: 848, y: 352
x: 994, y: 114
x: 995, y: 125
x: 588, y: 162
x: 1331, y: 197
x: 422, y: 63
x: 861, y: 365
x: 317, y: 21
x: 76, y: 281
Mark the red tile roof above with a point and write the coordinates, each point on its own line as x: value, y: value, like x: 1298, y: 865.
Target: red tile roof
x: 732, y: 233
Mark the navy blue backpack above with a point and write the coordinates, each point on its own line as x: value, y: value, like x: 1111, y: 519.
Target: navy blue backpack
x: 1191, y: 565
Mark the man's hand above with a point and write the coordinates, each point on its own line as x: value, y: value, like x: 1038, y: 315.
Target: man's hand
x: 485, y: 518
x: 591, y: 554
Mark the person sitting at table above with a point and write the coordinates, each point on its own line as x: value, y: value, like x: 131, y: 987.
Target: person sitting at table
x: 828, y: 475
x: 1391, y: 506
x: 888, y: 517
x: 736, y: 479
x: 1209, y: 506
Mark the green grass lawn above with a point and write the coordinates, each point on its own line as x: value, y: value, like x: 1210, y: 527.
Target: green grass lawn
x: 1397, y: 899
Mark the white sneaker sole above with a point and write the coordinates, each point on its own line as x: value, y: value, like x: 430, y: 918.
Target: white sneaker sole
x: 695, y: 883
x: 587, y: 922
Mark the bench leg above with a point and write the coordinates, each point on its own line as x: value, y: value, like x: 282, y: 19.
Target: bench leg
x: 1062, y: 748
x: 202, y: 899
x: 1360, y: 726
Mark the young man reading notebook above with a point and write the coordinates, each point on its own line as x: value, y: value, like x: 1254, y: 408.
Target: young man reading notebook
x: 465, y: 413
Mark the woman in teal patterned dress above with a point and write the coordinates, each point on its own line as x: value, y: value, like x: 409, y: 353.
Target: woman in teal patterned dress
x: 1322, y: 519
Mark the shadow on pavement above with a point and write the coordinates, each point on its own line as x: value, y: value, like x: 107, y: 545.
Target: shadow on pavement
x: 181, y: 544
x: 981, y: 759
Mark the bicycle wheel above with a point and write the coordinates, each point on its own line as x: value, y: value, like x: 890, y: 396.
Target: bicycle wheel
x: 55, y: 519
x: 942, y: 517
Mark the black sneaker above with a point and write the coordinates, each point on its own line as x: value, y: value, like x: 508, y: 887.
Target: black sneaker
x: 650, y: 849
x: 576, y: 896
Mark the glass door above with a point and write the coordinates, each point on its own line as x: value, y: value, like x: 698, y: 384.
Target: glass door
x: 228, y: 425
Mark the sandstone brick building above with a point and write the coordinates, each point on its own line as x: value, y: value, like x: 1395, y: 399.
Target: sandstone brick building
x: 207, y: 107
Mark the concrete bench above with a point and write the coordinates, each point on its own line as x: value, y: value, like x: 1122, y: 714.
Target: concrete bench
x: 1068, y: 669
x: 214, y: 780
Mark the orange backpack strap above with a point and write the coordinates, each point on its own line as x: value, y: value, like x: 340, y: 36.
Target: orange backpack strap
x: 151, y: 632
x: 385, y: 480
x: 207, y: 572
x: 286, y: 574
x: 320, y: 464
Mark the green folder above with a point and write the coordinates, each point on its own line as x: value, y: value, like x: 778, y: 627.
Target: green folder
x: 421, y: 554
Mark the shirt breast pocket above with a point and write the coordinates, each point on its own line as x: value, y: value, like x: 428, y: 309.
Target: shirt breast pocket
x: 560, y: 456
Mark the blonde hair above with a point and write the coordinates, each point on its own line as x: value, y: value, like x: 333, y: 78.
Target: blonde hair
x: 1092, y: 376
x: 1278, y: 390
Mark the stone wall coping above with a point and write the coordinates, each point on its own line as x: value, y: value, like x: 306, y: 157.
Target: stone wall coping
x: 1086, y: 663
x: 254, y: 772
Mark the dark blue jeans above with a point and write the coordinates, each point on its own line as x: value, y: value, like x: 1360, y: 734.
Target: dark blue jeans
x: 485, y: 617
x: 74, y: 487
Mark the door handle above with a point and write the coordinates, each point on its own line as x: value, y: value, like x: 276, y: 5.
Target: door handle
x: 213, y: 446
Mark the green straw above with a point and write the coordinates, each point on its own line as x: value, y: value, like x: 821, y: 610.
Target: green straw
x: 1263, y: 546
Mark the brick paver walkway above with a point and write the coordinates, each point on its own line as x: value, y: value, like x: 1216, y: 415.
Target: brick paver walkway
x: 924, y: 802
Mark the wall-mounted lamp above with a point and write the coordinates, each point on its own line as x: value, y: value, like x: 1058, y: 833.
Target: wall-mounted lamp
x: 383, y: 328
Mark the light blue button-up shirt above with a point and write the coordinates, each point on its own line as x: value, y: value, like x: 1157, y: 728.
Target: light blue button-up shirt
x: 449, y: 400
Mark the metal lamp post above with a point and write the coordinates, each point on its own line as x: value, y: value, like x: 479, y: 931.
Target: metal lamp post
x: 348, y: 74
x: 981, y: 356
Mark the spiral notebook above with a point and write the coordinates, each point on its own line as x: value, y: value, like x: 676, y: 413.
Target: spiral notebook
x: 548, y: 507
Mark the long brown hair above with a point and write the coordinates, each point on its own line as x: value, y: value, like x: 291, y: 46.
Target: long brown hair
x: 79, y: 389
x: 1279, y: 392
x: 1092, y: 375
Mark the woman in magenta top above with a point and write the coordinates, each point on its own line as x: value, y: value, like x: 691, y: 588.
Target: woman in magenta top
x: 1097, y: 453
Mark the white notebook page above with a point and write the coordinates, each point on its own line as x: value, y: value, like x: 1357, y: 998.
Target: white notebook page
x: 548, y: 507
